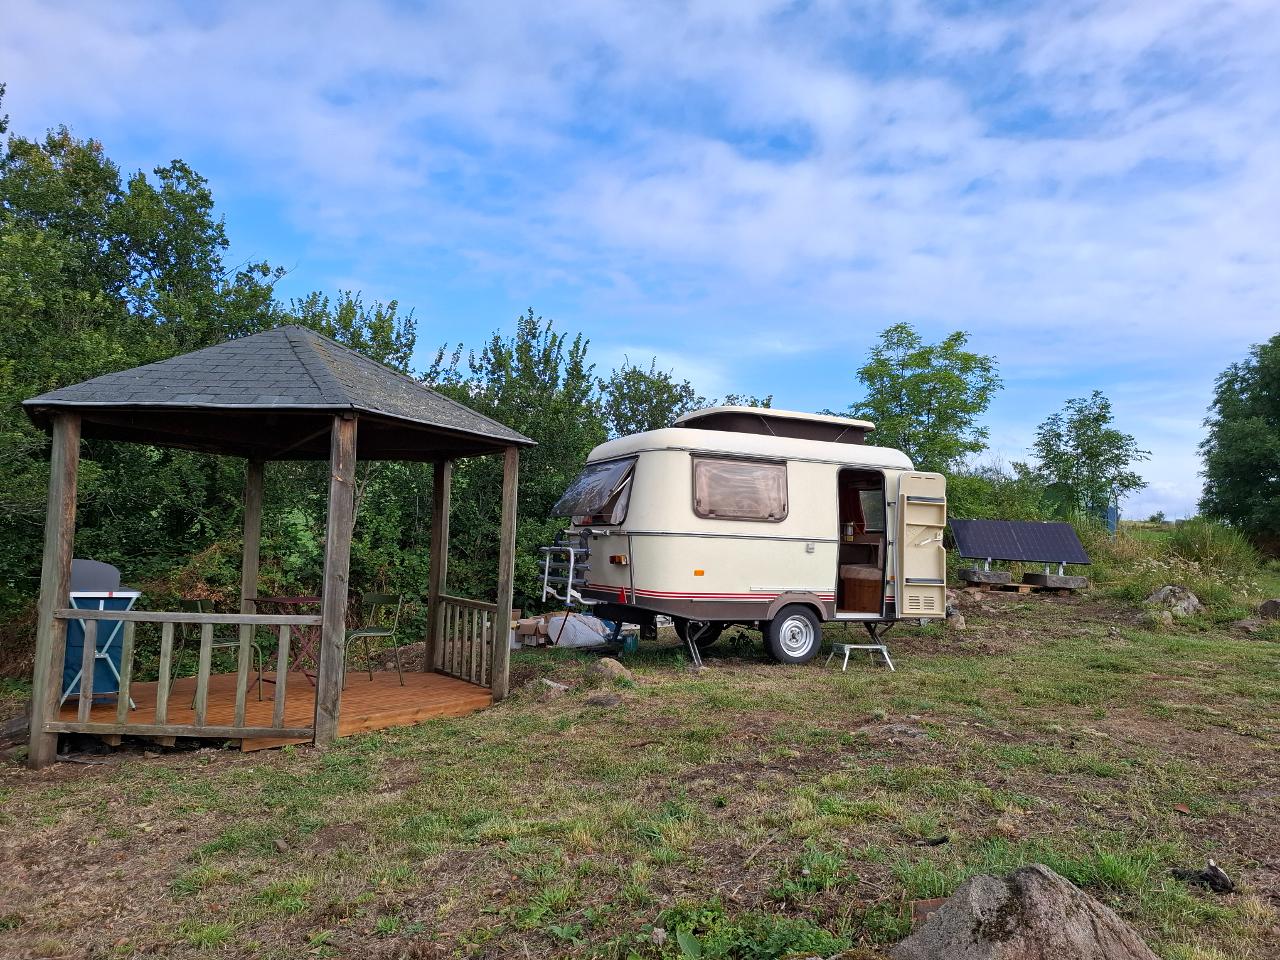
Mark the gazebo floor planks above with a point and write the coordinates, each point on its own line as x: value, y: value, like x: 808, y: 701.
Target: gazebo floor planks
x: 366, y: 705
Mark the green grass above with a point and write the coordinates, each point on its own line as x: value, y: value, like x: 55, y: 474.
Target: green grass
x: 746, y: 811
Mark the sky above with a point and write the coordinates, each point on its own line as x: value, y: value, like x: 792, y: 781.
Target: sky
x: 748, y: 191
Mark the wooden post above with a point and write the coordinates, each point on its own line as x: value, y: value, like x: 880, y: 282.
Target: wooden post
x: 506, y: 574
x: 253, y: 484
x: 439, y: 584
x: 55, y: 585
x: 337, y: 568
x: 251, y: 543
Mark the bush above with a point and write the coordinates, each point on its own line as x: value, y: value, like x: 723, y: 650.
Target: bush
x: 1214, y: 545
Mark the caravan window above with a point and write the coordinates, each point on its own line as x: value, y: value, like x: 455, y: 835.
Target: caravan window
x: 599, y: 495
x: 739, y: 489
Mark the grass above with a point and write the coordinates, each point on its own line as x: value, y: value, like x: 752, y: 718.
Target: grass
x: 747, y: 811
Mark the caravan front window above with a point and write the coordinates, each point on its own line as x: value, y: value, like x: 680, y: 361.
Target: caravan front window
x: 599, y: 495
x: 739, y: 489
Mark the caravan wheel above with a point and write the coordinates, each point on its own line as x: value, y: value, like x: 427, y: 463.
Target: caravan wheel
x: 794, y: 635
x: 705, y: 633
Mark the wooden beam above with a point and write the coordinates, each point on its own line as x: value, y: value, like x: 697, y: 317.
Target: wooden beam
x: 506, y: 574
x: 337, y: 569
x: 176, y: 729
x: 440, y: 497
x: 164, y: 616
x: 253, y: 484
x: 55, y: 585
x: 250, y: 552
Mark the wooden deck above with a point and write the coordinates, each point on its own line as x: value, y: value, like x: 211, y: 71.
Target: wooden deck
x: 366, y: 705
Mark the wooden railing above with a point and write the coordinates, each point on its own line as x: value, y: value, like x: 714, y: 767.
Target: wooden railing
x: 464, y: 643
x: 159, y: 725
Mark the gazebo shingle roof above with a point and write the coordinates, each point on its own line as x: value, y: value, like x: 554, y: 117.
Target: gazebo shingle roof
x: 221, y: 397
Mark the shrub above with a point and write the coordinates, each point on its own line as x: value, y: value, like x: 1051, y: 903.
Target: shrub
x: 1214, y: 545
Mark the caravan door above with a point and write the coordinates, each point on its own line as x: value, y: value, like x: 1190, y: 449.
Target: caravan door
x: 922, y: 571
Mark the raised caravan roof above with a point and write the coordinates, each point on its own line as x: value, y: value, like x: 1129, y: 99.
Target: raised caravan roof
x: 778, y: 423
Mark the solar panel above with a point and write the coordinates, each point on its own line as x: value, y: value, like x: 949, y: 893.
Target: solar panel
x: 1024, y: 540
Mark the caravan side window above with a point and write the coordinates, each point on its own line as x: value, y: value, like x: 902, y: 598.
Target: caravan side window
x: 739, y: 489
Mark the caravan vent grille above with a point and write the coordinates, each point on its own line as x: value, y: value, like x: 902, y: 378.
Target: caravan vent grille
x: 916, y: 603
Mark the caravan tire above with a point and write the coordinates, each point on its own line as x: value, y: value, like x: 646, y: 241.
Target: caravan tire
x: 705, y: 632
x: 794, y: 635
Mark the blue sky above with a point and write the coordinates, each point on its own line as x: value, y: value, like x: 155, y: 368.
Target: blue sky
x: 747, y: 190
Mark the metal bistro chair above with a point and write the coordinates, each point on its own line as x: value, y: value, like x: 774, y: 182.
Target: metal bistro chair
x: 372, y: 605
x: 206, y: 606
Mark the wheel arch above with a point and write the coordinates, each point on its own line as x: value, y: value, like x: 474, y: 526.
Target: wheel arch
x: 811, y: 600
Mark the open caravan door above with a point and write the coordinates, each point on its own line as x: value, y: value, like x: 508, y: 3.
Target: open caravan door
x: 922, y: 518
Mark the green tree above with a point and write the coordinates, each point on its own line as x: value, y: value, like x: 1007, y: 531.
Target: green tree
x: 634, y: 399
x: 925, y: 398
x: 1085, y: 462
x: 537, y: 381
x: 1242, y: 450
x: 99, y: 274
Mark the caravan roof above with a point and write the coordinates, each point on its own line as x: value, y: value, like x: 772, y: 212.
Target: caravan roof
x: 751, y: 445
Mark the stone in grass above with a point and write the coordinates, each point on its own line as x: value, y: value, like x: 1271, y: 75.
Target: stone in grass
x: 548, y: 689
x: 606, y: 669
x: 1179, y: 601
x: 1032, y: 914
x: 1269, y: 609
x: 956, y: 622
x: 1249, y: 625
x: 1160, y: 619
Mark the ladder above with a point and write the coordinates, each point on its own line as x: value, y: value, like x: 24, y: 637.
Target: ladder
x: 564, y: 568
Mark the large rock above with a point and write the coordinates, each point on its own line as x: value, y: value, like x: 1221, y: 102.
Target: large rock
x: 607, y: 669
x: 1032, y: 914
x: 1055, y: 581
x: 978, y: 575
x: 1269, y: 609
x: 1179, y: 601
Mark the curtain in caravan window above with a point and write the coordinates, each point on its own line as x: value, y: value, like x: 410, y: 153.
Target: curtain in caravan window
x: 739, y: 489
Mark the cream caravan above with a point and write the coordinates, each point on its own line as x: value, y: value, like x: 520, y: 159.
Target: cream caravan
x: 738, y: 515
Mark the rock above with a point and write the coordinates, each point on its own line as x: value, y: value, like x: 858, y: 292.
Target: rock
x: 1032, y: 914
x: 1160, y: 619
x: 1054, y: 581
x: 280, y: 845
x: 1249, y: 624
x: 604, y: 700
x: 606, y: 668
x: 1179, y: 601
x: 978, y: 575
x: 956, y: 622
x: 545, y: 689
x: 1269, y: 609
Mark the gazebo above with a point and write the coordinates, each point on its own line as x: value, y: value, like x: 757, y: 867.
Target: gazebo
x: 285, y: 394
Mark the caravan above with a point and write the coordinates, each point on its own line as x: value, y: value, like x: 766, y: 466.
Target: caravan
x: 740, y: 515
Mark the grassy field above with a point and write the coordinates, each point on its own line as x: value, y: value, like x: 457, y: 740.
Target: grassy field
x: 746, y: 811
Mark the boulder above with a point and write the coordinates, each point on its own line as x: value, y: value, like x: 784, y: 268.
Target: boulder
x: 1032, y: 914
x: 1269, y: 609
x: 1249, y: 625
x: 1179, y: 601
x: 1055, y: 581
x: 978, y: 575
x: 607, y: 669
x: 956, y: 622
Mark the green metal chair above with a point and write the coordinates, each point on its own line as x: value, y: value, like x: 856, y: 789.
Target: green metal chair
x: 374, y: 627
x: 205, y: 605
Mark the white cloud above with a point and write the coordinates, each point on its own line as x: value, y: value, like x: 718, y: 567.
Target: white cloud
x: 1080, y: 184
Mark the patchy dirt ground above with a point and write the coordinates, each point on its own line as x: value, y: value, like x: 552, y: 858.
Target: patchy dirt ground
x: 760, y: 809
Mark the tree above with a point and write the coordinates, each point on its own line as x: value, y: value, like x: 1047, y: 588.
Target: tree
x: 99, y: 274
x: 926, y: 398
x: 537, y: 381
x: 1085, y: 462
x: 634, y: 399
x: 1242, y: 450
